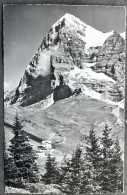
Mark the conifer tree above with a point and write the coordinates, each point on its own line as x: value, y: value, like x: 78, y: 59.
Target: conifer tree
x: 8, y: 165
x: 100, y: 169
x: 65, y: 166
x: 93, y: 160
x: 107, y: 165
x: 52, y: 173
x: 66, y: 176
x: 117, y: 170
x: 71, y: 183
x: 76, y: 164
x: 24, y: 168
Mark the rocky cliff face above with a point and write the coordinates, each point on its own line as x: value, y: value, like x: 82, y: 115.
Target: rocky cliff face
x: 60, y: 50
x: 111, y: 57
x: 83, y: 56
x: 111, y: 62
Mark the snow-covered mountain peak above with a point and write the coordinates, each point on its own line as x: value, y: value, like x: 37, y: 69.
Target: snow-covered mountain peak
x: 68, y: 15
x: 69, y: 19
x: 73, y: 26
x: 69, y: 43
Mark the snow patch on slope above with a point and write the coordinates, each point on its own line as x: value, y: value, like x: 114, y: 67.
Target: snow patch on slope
x: 95, y: 95
x: 41, y: 105
x: 123, y: 35
x: 94, y: 37
x: 91, y: 93
x: 77, y: 74
x: 87, y: 73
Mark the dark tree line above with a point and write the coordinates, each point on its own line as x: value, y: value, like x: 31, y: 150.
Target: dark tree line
x: 97, y: 170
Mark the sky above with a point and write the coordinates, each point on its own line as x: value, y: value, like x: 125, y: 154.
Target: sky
x: 26, y: 25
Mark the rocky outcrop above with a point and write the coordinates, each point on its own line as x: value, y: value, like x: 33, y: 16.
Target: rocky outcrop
x: 111, y: 57
x: 93, y: 54
x: 116, y: 93
x: 62, y: 92
x: 111, y: 62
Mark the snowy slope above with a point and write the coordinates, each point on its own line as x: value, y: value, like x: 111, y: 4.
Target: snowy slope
x: 87, y: 73
x: 123, y: 35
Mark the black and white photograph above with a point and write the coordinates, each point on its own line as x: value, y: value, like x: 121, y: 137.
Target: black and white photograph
x: 64, y: 89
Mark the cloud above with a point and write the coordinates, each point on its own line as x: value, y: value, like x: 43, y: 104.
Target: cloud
x: 43, y: 67
x: 7, y: 86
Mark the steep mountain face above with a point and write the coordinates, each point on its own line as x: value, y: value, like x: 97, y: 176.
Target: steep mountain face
x: 81, y: 55
x: 111, y: 57
x: 111, y: 62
